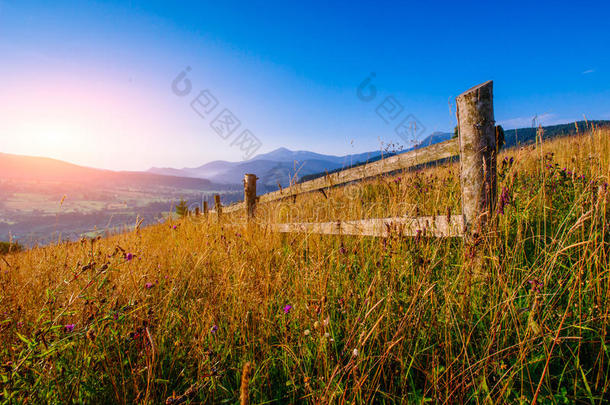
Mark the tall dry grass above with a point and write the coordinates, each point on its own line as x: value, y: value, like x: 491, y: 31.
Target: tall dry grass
x: 173, y: 313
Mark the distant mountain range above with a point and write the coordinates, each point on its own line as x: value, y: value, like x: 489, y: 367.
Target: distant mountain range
x: 282, y: 165
x: 278, y: 166
x: 524, y: 136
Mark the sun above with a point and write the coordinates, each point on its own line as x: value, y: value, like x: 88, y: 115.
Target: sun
x: 45, y: 138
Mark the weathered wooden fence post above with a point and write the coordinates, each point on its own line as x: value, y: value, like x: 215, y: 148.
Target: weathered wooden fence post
x: 250, y: 195
x: 218, y: 206
x: 477, y: 139
x: 205, y: 209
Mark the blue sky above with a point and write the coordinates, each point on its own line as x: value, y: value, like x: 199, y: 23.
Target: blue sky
x: 90, y: 82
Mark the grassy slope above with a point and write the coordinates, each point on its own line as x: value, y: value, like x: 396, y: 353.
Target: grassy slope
x: 372, y: 320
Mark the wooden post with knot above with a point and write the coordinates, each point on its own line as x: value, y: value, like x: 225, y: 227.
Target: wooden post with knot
x: 478, y: 155
x: 250, y: 195
x: 477, y: 139
x: 218, y: 206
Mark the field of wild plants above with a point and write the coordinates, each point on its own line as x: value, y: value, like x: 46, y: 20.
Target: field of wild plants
x: 200, y: 311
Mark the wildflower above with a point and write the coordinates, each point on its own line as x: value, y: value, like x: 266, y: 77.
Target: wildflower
x: 307, y: 332
x: 69, y: 327
x: 148, y: 285
x: 326, y: 335
x: 504, y: 199
x: 174, y: 227
x: 287, y: 308
x: 355, y: 353
x: 129, y: 256
x: 214, y: 328
x: 19, y: 324
x: 326, y: 321
x: 316, y: 324
x: 535, y: 284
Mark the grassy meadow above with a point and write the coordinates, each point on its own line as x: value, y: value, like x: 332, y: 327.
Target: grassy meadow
x: 200, y: 311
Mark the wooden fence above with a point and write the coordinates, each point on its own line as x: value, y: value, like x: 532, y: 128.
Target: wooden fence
x: 476, y: 147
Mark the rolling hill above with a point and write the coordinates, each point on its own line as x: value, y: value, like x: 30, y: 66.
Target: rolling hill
x: 30, y: 168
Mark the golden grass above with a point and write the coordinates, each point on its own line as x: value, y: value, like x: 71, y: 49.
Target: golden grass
x: 372, y: 320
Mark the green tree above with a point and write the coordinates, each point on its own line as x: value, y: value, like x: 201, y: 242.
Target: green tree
x: 182, y: 208
x: 10, y: 247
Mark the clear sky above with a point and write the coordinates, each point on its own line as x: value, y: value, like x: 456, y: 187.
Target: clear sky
x: 91, y: 82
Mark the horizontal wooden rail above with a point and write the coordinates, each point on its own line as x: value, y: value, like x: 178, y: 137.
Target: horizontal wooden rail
x: 405, y: 160
x: 233, y: 207
x: 441, y: 226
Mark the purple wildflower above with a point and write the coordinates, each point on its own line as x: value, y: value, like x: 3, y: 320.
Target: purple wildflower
x: 129, y: 256
x: 174, y: 227
x: 148, y: 286
x: 504, y: 199
x: 69, y: 327
x: 287, y: 308
x: 214, y: 329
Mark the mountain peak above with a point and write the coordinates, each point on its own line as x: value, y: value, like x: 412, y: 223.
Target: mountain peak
x: 286, y: 155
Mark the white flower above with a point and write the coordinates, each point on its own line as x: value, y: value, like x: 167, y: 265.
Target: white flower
x: 327, y: 335
x: 307, y: 332
x: 355, y: 353
x: 326, y: 321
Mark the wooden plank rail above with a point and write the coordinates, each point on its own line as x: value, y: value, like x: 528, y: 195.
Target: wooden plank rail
x: 234, y: 207
x: 440, y: 226
x: 405, y: 160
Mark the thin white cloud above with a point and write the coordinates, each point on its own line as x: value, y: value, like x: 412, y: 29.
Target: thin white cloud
x: 586, y: 72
